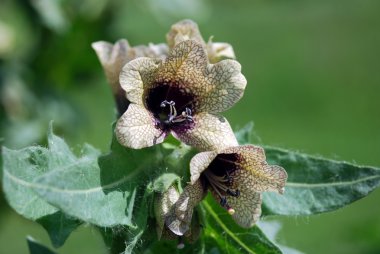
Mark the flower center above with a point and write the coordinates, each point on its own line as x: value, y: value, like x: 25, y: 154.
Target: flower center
x: 220, y: 178
x: 171, y: 104
x: 173, y: 116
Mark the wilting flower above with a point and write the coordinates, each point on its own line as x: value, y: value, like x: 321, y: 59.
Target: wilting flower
x: 236, y: 177
x: 188, y: 30
x: 163, y: 207
x: 182, y: 95
x: 114, y: 56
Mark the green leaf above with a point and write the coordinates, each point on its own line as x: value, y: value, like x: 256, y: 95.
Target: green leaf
x: 1, y: 158
x: 59, y: 226
x: 164, y: 181
x: 270, y: 229
x: 317, y: 185
x: 20, y: 170
x: 144, y: 170
x: 37, y: 248
x: 102, y: 194
x: 160, y: 184
x: 247, y: 135
x: 141, y: 215
x: 223, y: 235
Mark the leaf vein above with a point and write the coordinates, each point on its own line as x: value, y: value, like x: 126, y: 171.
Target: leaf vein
x: 225, y: 228
x: 320, y: 185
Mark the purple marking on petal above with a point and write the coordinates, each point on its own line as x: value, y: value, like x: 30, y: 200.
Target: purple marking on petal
x: 169, y: 91
x: 171, y: 106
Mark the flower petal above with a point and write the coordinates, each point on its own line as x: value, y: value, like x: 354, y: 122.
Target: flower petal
x: 225, y: 86
x: 255, y: 172
x: 152, y: 51
x: 179, y: 220
x: 184, y: 30
x: 112, y: 57
x: 218, y: 51
x: 136, y: 75
x: 210, y: 132
x: 215, y: 88
x: 247, y: 207
x: 136, y: 129
x: 199, y: 163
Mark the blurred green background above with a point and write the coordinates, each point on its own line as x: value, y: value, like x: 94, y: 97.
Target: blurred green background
x: 313, y: 71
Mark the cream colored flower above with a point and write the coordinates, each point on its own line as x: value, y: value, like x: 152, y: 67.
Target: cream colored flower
x: 188, y: 30
x: 182, y: 95
x: 236, y: 177
x: 114, y: 56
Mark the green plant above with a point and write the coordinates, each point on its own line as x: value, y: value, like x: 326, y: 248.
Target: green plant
x: 127, y: 193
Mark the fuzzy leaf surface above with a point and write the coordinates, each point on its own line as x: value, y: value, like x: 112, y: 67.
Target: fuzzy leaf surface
x: 99, y: 193
x: 21, y: 169
x: 315, y: 184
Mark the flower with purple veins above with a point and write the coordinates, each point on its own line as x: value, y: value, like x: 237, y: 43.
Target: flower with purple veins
x: 181, y: 94
x: 114, y: 56
x: 236, y: 178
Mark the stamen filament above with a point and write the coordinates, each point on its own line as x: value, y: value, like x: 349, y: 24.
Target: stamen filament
x: 214, y: 179
x: 228, y: 161
x: 217, y: 183
x: 173, y: 116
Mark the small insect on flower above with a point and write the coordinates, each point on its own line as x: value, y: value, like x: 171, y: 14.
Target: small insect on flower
x: 182, y: 95
x: 236, y: 177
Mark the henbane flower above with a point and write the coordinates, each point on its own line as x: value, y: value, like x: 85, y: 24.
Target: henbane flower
x: 114, y: 56
x: 182, y: 95
x: 188, y: 30
x: 236, y: 177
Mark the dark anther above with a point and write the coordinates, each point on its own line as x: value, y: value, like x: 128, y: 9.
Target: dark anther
x: 229, y: 179
x: 165, y: 102
x: 173, y: 116
x: 233, y: 193
x: 223, y: 201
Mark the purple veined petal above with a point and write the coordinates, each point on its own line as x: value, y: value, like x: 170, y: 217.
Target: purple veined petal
x: 179, y: 219
x: 136, y: 128
x: 210, y: 132
x: 136, y: 76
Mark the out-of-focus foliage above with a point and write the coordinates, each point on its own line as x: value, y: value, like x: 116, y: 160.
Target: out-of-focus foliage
x: 37, y: 248
x: 312, y: 71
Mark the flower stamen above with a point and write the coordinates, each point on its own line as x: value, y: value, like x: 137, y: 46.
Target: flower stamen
x: 232, y: 193
x: 173, y: 116
x: 218, y: 184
